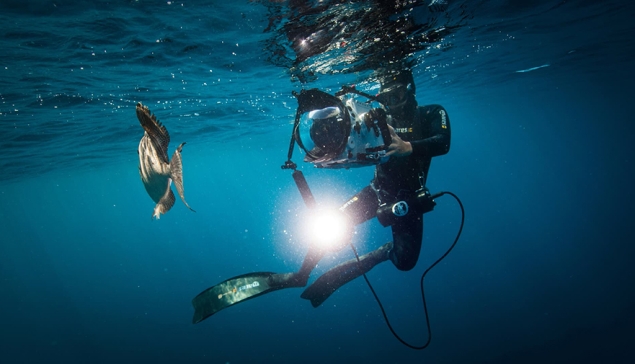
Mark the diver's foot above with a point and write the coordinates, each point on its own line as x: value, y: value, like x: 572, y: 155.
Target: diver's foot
x: 343, y: 273
x: 287, y: 280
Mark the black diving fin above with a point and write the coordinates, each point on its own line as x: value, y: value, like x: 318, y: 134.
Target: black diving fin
x: 231, y: 292
x: 343, y: 273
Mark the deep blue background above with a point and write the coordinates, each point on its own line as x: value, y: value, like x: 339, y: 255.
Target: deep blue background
x: 542, y: 160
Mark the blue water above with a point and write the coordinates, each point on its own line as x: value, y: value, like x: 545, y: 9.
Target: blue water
x: 540, y: 96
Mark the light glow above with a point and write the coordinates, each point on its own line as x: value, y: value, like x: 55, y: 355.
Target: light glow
x: 329, y: 230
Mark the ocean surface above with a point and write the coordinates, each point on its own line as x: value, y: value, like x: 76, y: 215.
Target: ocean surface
x: 540, y: 97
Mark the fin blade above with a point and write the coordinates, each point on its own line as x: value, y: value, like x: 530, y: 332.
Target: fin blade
x: 230, y: 292
x: 323, y: 287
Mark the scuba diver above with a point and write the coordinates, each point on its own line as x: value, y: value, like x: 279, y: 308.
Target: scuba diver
x: 415, y: 134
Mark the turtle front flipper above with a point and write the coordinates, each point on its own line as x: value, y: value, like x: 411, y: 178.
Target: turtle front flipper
x: 176, y: 173
x: 157, y: 133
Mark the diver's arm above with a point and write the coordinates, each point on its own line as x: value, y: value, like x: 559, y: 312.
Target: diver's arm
x: 439, y: 141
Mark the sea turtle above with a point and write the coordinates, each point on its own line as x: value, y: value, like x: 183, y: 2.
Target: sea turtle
x: 157, y: 172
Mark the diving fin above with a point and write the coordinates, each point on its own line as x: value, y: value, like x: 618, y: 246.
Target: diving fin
x: 330, y: 281
x: 343, y: 273
x: 239, y: 289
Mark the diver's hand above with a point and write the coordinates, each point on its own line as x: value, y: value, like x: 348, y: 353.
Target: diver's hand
x: 398, y: 147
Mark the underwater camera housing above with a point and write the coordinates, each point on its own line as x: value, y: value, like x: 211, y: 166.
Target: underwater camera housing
x: 340, y: 131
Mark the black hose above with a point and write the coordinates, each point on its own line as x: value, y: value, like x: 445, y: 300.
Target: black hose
x: 423, y: 298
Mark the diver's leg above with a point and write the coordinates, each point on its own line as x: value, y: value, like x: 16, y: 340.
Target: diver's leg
x: 407, y: 236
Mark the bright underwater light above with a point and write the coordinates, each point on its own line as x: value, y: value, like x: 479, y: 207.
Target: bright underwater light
x: 329, y: 229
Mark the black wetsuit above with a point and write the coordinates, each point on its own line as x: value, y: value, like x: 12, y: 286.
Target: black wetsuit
x: 429, y: 134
